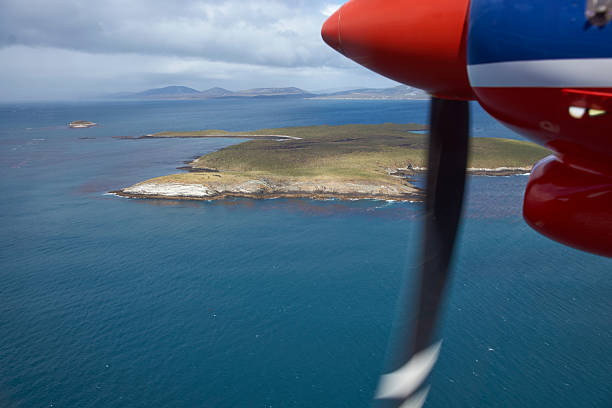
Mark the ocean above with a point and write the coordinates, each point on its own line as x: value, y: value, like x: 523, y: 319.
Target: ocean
x: 114, y: 302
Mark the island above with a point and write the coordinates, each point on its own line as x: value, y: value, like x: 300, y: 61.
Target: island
x: 324, y: 162
x: 81, y: 124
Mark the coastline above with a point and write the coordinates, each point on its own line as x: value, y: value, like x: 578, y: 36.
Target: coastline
x: 481, y: 171
x: 315, y: 196
x: 363, y: 98
x: 210, y: 136
x: 268, y: 189
x: 286, y: 188
x: 344, y: 162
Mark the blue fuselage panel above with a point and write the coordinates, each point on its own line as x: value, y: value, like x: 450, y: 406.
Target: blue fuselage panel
x: 524, y: 30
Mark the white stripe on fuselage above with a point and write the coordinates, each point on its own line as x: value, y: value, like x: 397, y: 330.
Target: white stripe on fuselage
x: 554, y: 73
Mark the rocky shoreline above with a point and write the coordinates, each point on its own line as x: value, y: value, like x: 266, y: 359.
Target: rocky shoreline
x: 210, y: 136
x: 81, y: 124
x: 472, y: 171
x: 266, y: 189
x: 405, y: 173
x: 500, y: 172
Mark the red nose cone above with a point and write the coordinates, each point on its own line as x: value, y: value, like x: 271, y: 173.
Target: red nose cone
x: 421, y: 43
x: 331, y: 31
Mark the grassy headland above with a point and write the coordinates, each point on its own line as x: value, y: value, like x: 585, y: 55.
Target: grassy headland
x: 325, y: 158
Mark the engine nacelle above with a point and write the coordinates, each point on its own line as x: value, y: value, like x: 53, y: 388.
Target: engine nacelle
x: 421, y: 43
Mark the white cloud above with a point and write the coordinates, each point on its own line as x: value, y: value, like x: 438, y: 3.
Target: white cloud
x: 48, y: 73
x: 269, y: 32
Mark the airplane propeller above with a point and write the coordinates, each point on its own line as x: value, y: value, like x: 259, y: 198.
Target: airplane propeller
x: 418, y: 348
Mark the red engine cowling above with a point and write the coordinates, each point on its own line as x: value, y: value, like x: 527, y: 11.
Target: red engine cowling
x: 421, y: 43
x: 572, y: 205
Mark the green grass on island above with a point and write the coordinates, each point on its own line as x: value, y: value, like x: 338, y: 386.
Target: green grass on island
x: 341, y: 153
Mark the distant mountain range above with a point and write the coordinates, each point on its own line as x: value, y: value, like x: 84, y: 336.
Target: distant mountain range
x: 183, y: 92
x: 395, y: 93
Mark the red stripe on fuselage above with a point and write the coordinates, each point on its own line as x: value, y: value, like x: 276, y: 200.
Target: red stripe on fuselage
x: 590, y: 93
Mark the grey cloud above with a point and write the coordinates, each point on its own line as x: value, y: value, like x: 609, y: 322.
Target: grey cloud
x: 50, y: 73
x: 261, y: 32
x: 62, y: 49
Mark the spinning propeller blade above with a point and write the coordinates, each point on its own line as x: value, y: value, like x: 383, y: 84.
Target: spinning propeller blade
x: 448, y: 151
x: 419, y: 349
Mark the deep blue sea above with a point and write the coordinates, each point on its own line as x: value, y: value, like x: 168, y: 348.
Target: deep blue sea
x: 114, y: 302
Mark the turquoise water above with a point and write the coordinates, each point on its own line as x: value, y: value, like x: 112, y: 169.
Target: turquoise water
x: 110, y: 302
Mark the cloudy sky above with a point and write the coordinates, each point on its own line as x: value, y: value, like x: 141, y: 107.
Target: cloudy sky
x: 78, y: 48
